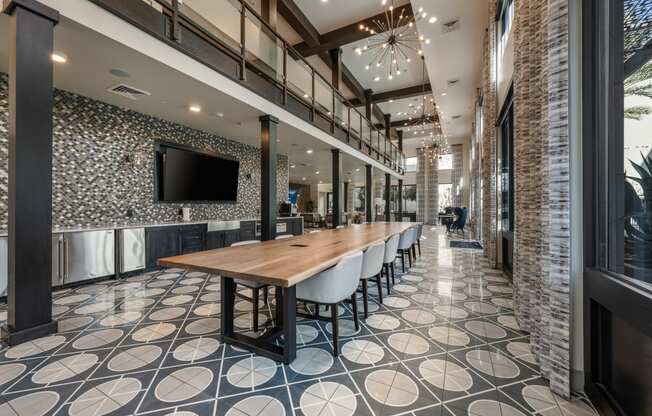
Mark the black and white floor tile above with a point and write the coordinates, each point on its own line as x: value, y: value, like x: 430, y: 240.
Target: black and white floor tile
x: 443, y: 343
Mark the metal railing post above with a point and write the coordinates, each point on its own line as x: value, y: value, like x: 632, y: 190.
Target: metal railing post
x: 312, y: 97
x: 285, y: 73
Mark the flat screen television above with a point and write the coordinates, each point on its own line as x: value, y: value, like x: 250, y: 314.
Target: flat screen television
x: 188, y: 175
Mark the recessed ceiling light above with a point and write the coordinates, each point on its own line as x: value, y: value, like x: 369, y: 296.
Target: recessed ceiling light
x: 220, y: 115
x: 443, y: 94
x: 320, y: 181
x: 119, y: 73
x: 303, y: 179
x: 59, y: 58
x: 194, y: 108
x: 309, y: 151
x: 433, y: 19
x: 357, y: 170
x: 293, y: 166
x: 316, y: 172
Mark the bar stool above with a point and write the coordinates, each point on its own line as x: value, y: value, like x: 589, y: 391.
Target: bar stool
x: 283, y: 237
x: 405, y: 245
x: 372, y: 265
x: 391, y: 248
x: 254, y: 286
x: 331, y: 287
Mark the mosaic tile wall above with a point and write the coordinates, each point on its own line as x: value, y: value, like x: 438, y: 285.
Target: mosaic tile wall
x: 92, y: 185
x: 457, y: 174
x: 542, y: 180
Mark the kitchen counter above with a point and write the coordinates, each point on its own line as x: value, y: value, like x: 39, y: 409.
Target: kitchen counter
x: 124, y: 225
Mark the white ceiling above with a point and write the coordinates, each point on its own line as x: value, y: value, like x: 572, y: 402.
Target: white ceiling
x: 454, y: 55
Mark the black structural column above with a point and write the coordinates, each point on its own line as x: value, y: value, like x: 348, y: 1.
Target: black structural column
x: 345, y: 195
x: 368, y: 103
x: 399, y: 133
x: 268, y: 12
x: 268, y: 204
x: 29, y: 296
x: 388, y: 189
x: 388, y: 126
x: 336, y: 59
x: 369, y: 190
x: 338, y: 206
x: 399, y: 198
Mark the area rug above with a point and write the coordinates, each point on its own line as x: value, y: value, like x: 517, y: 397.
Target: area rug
x: 465, y: 244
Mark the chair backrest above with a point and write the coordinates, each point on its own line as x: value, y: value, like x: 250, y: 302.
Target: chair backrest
x: 391, y: 246
x: 283, y: 237
x: 407, y: 239
x: 406, y: 219
x: 245, y: 243
x: 335, y: 284
x: 463, y: 217
x: 372, y: 263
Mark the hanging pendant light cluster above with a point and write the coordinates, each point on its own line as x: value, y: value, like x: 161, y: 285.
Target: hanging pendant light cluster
x: 394, y: 41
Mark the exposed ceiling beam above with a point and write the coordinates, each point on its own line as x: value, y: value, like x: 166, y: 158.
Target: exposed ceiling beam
x: 299, y: 22
x: 350, y: 33
x: 407, y: 92
x: 401, y: 123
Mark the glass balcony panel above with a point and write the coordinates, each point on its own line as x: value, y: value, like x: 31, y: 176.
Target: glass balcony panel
x: 341, y: 112
x: 299, y: 78
x: 323, y: 96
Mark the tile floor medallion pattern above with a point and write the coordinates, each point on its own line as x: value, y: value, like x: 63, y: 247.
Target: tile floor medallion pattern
x: 444, y: 343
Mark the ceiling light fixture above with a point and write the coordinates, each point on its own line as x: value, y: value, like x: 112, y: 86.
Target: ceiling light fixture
x: 393, y: 40
x: 309, y: 151
x: 194, y: 108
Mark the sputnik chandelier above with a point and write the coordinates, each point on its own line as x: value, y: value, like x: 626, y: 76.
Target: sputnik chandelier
x: 423, y: 113
x: 394, y: 41
x: 434, y: 147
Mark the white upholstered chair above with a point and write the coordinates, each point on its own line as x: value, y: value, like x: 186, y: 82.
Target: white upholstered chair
x: 372, y: 265
x: 333, y: 286
x: 405, y: 245
x: 391, y: 248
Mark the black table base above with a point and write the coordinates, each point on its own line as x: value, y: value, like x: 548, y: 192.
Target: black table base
x: 265, y: 345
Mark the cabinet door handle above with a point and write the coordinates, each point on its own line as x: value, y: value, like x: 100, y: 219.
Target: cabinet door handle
x: 65, y: 260
x: 60, y: 262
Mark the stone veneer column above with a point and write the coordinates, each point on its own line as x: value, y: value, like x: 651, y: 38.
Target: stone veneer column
x: 489, y: 195
x: 433, y: 192
x: 542, y: 184
x: 349, y: 197
x: 421, y: 185
x: 457, y: 174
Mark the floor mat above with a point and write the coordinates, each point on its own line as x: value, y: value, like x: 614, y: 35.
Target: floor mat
x: 465, y: 244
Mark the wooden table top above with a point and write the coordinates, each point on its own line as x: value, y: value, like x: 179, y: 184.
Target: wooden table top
x: 289, y: 261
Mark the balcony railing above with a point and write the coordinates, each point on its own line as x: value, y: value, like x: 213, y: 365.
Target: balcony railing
x: 231, y: 37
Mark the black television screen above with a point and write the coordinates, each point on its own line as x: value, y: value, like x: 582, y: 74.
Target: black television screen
x: 185, y: 175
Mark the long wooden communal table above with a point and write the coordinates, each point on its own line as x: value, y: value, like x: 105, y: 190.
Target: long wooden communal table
x: 283, y: 264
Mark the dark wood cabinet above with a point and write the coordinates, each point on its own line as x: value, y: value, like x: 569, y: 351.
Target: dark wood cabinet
x: 214, y: 239
x: 231, y: 236
x: 161, y: 242
x: 173, y: 240
x: 248, y: 230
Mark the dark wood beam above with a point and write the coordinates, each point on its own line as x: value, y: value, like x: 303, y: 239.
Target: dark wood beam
x: 268, y: 204
x: 368, y: 103
x: 388, y: 126
x: 401, y: 123
x: 269, y: 13
x: 30, y: 38
x: 399, y: 133
x: 299, y: 22
x: 350, y: 33
x: 336, y: 68
x: 401, y: 93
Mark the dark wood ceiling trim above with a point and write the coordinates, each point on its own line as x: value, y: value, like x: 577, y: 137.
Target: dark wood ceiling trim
x: 350, y: 33
x: 401, y: 123
x: 299, y: 22
x: 401, y: 93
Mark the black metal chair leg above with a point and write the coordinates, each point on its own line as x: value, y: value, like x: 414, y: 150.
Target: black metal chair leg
x: 316, y: 310
x: 365, y: 299
x: 391, y: 265
x: 255, y: 299
x: 386, y: 268
x: 265, y: 294
x: 409, y: 258
x: 336, y: 347
x: 380, y: 289
x: 419, y: 246
x: 354, y: 302
x: 403, y: 260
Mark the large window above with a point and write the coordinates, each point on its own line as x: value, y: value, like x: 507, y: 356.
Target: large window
x: 359, y: 199
x: 636, y: 142
x: 411, y: 164
x: 506, y: 17
x: 445, y: 162
x: 507, y: 165
x: 409, y: 198
x: 445, y: 196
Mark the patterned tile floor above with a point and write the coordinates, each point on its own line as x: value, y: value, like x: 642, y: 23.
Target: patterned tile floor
x: 444, y: 343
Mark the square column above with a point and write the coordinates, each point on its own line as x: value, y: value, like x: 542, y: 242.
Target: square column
x: 268, y: 204
x: 388, y: 191
x: 369, y: 190
x: 29, y: 296
x: 338, y: 199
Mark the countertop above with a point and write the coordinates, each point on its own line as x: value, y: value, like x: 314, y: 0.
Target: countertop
x: 124, y: 225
